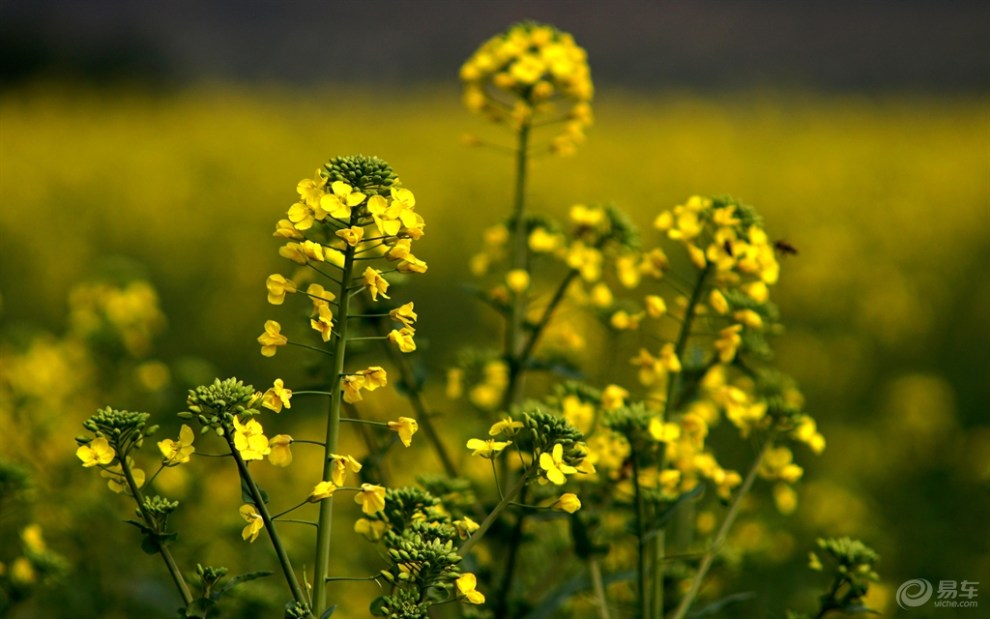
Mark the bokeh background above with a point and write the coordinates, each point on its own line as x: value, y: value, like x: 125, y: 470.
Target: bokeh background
x: 160, y: 142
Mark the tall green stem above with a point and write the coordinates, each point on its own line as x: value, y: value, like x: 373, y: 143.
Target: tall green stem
x: 173, y: 567
x: 514, y: 332
x: 659, y: 542
x: 259, y: 502
x: 723, y: 531
x: 684, y: 335
x: 642, y: 590
x: 322, y: 563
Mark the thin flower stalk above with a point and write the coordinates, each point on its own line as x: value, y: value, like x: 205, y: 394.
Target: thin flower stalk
x: 166, y: 554
x: 723, y: 531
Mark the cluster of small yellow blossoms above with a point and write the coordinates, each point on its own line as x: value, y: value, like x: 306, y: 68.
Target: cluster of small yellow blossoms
x: 532, y: 70
x: 551, y: 463
x: 354, y: 209
x: 726, y: 236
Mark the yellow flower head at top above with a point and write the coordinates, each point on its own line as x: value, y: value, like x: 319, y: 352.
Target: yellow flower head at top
x: 531, y: 70
x: 178, y: 452
x: 405, y: 427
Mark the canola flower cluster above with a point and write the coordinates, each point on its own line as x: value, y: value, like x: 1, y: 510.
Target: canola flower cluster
x: 532, y: 73
x: 637, y: 453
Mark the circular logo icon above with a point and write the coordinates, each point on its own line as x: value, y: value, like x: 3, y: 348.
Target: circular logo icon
x: 914, y: 593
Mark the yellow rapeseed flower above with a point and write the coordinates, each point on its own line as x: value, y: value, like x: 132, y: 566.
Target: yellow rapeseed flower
x: 97, y: 452
x: 250, y: 440
x: 340, y: 202
x: 254, y: 522
x: 278, y: 286
x: 517, y: 280
x: 506, y: 426
x: 466, y: 584
x: 375, y: 283
x: 178, y: 452
x: 323, y: 321
x: 371, y: 498
x: 277, y: 396
x: 405, y: 427
x: 342, y: 464
x: 352, y: 236
x: 568, y: 502
x: 351, y: 384
x: 322, y: 490
x: 554, y: 466
x: 487, y: 448
x: 272, y: 338
x: 403, y: 338
x: 280, y: 453
x: 404, y: 314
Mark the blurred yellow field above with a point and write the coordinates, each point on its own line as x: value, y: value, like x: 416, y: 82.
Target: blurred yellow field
x: 886, y: 200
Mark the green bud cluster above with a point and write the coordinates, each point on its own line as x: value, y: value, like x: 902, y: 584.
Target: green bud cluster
x: 297, y: 610
x: 542, y: 430
x: 370, y: 175
x: 405, y: 505
x: 853, y: 563
x: 210, y: 576
x: 159, y: 509
x: 401, y: 604
x: 215, y: 405
x: 632, y: 422
x: 425, y: 562
x: 850, y: 554
x: 123, y: 429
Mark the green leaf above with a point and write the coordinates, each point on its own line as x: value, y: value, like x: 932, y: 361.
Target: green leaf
x: 142, y: 526
x: 328, y: 612
x: 150, y: 545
